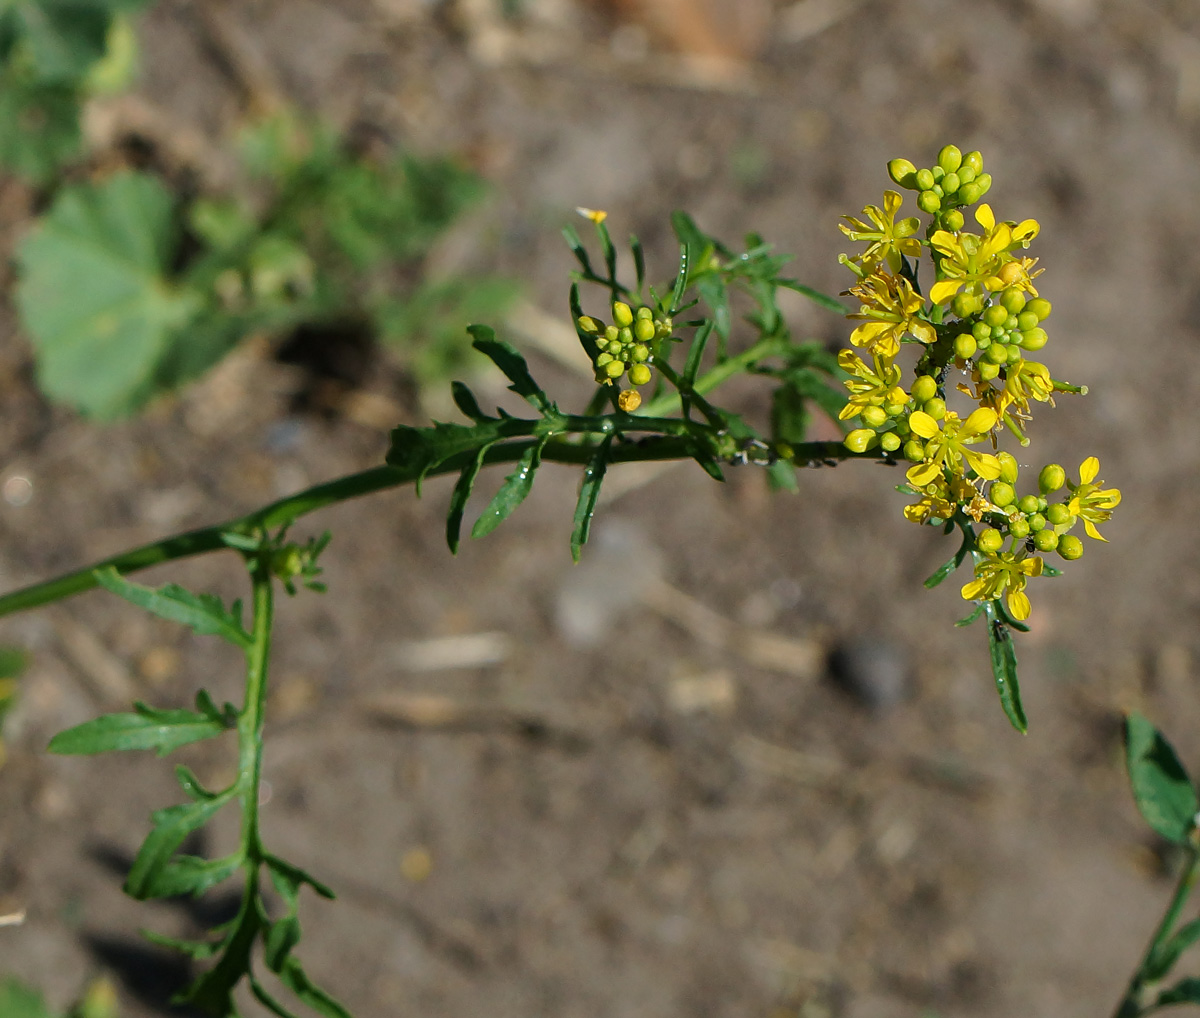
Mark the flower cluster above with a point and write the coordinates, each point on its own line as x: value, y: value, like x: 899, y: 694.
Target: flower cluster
x: 628, y: 345
x: 981, y: 321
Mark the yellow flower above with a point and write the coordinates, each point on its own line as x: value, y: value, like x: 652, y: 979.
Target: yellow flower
x: 888, y: 239
x: 1004, y: 572
x: 947, y: 445
x: 890, y: 308
x: 867, y: 387
x: 974, y: 260
x: 933, y: 503
x: 1089, y: 502
x: 597, y: 216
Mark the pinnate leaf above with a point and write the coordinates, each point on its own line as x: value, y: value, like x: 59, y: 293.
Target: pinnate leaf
x: 204, y: 613
x: 146, y: 728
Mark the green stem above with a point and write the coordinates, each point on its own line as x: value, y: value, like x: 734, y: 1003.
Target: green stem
x: 1131, y: 1004
x: 251, y: 718
x: 670, y: 402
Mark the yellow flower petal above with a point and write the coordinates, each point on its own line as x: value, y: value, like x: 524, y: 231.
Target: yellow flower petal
x: 595, y: 215
x: 974, y: 589
x: 984, y: 217
x: 1018, y: 605
x: 1088, y: 470
x: 980, y: 422
x: 923, y: 474
x: 1092, y: 532
x: 944, y: 289
x: 923, y: 424
x: 984, y: 464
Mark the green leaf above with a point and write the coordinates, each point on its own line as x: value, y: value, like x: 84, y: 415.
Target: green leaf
x: 589, y: 491
x: 458, y: 498
x: 267, y: 1001
x: 1162, y: 789
x: 577, y: 249
x: 1186, y: 991
x: 968, y: 620
x: 465, y: 400
x: 506, y: 358
x: 149, y: 876
x: 204, y: 613
x: 107, y: 248
x: 289, y: 878
x: 1162, y: 960
x: 419, y: 450
x: 1004, y: 668
x: 39, y: 127
x: 191, y: 784
x: 816, y: 296
x: 281, y: 937
x: 512, y: 492
x: 161, y: 730
x: 947, y: 568
x: 197, y: 950
x: 293, y: 976
x: 189, y: 874
x: 20, y: 1001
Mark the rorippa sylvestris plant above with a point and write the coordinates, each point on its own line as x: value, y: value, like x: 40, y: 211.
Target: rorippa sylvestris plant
x: 679, y: 344
x: 976, y: 334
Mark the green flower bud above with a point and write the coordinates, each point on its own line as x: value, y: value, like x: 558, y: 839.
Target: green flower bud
x: 950, y: 158
x: 614, y: 369
x: 975, y: 161
x: 1037, y: 523
x: 1010, y: 322
x: 938, y: 173
x: 1058, y: 515
x: 622, y: 313
x: 966, y: 304
x: 983, y: 182
x: 874, y: 416
x: 1027, y: 320
x: 616, y: 347
x: 969, y: 194
x: 1014, y: 353
x: 997, y: 353
x: 603, y: 359
x: 924, y: 388
x: 1019, y: 528
x: 1013, y: 301
x: 965, y: 175
x: 981, y: 331
x: 625, y: 335
x: 987, y: 370
x: 995, y: 315
x: 990, y: 540
x: 889, y: 441
x: 1070, y: 547
x: 644, y: 312
x: 588, y: 325
x: 936, y: 408
x: 1040, y: 307
x: 611, y: 333
x: 639, y: 374
x: 950, y: 183
x: 928, y: 201
x: 1045, y: 540
x: 664, y: 328
x: 939, y: 190
x: 952, y: 220
x: 965, y: 346
x: 1002, y: 494
x: 643, y: 329
x: 860, y: 439
x: 1033, y: 340
x: 640, y: 353
x: 1052, y: 477
x: 1028, y: 504
x: 914, y: 451
x: 903, y: 173
x: 1008, y: 467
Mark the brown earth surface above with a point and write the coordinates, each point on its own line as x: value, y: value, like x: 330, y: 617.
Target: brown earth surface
x: 630, y: 788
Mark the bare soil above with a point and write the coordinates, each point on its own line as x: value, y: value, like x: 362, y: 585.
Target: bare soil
x: 659, y: 804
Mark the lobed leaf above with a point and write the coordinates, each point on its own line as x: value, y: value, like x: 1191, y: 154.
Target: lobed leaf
x: 147, y: 728
x: 148, y: 877
x: 289, y: 878
x: 512, y: 492
x: 190, y: 874
x: 204, y: 613
x: 506, y: 358
x: 1164, y: 793
x: 589, y: 491
x: 462, y: 492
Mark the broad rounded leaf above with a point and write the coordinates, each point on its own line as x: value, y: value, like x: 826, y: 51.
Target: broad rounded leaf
x: 94, y: 297
x: 1162, y: 789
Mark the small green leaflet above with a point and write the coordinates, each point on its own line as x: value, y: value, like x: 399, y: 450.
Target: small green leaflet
x: 1160, y: 963
x: 204, y: 613
x: 1004, y: 668
x: 458, y: 498
x: 1186, y: 991
x: 1162, y: 789
x: 506, y: 358
x: 152, y: 874
x: 512, y: 492
x: 147, y: 728
x: 589, y: 491
x: 816, y: 296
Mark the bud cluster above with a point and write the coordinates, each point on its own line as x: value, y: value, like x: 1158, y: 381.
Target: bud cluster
x: 628, y: 345
x: 982, y: 317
